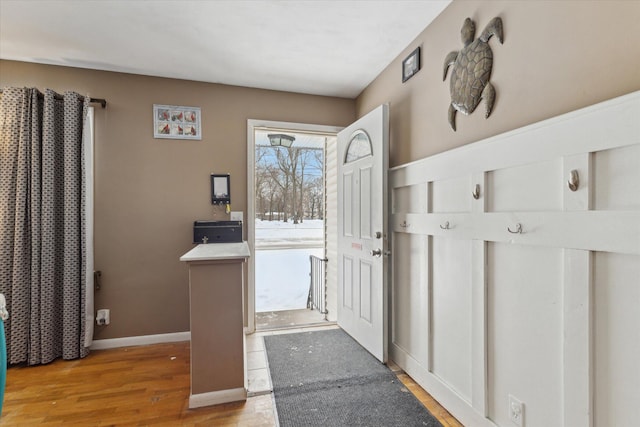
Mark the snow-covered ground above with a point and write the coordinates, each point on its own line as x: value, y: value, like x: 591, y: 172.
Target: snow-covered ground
x: 282, y: 262
x: 278, y: 233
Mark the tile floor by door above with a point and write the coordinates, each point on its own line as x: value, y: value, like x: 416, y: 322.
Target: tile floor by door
x: 260, y: 384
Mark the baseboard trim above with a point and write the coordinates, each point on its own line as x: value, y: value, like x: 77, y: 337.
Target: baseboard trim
x: 217, y: 397
x: 140, y: 340
x: 438, y: 389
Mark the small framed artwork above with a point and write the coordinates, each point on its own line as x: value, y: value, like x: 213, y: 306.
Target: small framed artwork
x: 411, y: 65
x: 175, y: 122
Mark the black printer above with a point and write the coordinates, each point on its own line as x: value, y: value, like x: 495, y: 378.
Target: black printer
x: 217, y: 231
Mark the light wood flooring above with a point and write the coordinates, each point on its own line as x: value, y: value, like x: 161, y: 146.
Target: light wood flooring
x: 137, y: 386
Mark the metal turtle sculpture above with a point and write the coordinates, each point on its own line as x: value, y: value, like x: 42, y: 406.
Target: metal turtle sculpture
x: 471, y: 69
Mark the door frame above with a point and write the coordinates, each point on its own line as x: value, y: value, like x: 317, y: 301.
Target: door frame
x: 252, y: 126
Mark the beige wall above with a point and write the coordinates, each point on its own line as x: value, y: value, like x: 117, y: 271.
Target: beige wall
x: 149, y: 191
x: 557, y: 56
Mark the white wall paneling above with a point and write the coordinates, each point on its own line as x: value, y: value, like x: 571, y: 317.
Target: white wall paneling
x: 524, y: 326
x: 410, y: 281
x: 548, y: 315
x: 451, y: 195
x: 478, y: 304
x: 616, y: 339
x: 577, y: 351
x: 577, y: 303
x: 616, y: 178
x: 451, y: 312
x: 409, y: 302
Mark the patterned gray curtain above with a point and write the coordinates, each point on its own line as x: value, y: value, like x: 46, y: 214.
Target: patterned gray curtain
x: 42, y: 224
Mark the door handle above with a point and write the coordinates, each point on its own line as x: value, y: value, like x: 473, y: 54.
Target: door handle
x: 376, y: 252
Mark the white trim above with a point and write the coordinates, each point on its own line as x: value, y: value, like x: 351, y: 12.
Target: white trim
x: 610, y: 124
x: 217, y: 397
x: 140, y: 340
x: 578, y: 343
x: 479, y: 334
x: 609, y: 231
x: 252, y: 126
x: 446, y: 396
x: 479, y: 346
x: 578, y: 307
x: 89, y: 144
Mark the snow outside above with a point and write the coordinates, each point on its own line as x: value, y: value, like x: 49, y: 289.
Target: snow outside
x: 282, y: 262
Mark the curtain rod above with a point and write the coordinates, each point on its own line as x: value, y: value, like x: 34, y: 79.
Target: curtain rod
x: 100, y: 101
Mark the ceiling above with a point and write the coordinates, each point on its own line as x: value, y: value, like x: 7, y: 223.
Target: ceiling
x: 333, y: 48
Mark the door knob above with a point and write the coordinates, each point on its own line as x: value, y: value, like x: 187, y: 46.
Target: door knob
x: 376, y: 252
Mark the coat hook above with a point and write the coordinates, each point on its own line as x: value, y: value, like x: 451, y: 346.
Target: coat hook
x: 445, y: 226
x: 574, y: 180
x: 518, y: 229
x: 476, y: 192
x: 404, y: 224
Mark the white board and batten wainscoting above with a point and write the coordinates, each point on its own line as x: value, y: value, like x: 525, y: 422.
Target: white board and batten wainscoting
x: 550, y: 315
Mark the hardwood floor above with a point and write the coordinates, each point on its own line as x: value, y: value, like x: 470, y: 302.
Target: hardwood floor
x: 136, y: 386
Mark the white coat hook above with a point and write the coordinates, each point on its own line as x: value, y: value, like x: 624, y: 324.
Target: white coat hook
x: 518, y: 229
x: 476, y: 192
x: 574, y: 180
x: 445, y: 226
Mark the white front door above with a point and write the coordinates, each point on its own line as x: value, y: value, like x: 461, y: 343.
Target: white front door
x: 362, y: 230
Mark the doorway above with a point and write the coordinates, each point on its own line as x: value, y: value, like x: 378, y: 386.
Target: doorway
x: 287, y: 226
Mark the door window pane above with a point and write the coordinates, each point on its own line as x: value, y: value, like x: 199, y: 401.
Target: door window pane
x: 359, y: 147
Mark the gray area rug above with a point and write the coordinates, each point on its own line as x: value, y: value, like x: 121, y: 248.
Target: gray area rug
x: 325, y: 378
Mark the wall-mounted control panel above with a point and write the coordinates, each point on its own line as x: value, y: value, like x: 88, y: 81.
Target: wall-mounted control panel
x: 220, y: 189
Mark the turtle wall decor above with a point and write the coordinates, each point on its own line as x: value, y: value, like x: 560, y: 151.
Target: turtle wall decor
x: 471, y: 69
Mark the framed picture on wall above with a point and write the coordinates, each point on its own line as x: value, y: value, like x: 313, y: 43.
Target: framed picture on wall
x: 174, y: 122
x: 411, y: 65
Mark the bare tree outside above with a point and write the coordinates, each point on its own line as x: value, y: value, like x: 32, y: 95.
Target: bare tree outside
x: 289, y: 225
x: 289, y: 183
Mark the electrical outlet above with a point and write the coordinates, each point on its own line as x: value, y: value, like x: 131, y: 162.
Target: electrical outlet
x: 103, y: 317
x: 516, y: 411
x: 236, y: 215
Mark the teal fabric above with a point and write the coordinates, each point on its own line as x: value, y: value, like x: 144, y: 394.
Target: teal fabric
x: 3, y: 363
